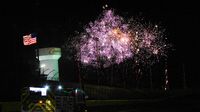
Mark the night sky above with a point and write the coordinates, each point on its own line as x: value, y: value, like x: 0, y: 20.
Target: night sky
x: 54, y: 22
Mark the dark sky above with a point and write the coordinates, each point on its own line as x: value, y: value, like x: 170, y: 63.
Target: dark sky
x: 54, y: 21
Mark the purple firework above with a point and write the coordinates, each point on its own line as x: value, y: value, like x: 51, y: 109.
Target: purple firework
x: 110, y: 40
x: 106, y: 41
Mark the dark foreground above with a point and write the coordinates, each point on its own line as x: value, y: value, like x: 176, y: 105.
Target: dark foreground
x: 186, y: 103
x: 178, y: 104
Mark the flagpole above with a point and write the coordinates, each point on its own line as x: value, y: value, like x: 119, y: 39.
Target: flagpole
x: 38, y: 58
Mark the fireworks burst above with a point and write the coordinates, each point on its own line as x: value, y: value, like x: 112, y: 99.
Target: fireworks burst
x: 150, y: 44
x: 106, y: 41
x: 111, y: 39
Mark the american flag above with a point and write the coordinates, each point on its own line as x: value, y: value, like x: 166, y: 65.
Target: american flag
x: 29, y: 39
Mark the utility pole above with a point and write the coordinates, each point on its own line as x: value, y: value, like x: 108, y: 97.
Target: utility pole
x: 151, y: 79
x: 80, y: 78
x: 184, y: 77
